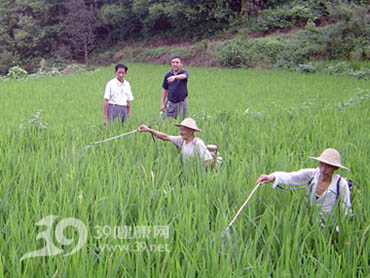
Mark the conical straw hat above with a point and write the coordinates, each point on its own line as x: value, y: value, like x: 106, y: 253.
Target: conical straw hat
x: 331, y: 157
x: 189, y: 123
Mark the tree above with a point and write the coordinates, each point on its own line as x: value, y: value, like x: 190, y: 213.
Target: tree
x: 80, y: 23
x: 28, y: 31
x: 123, y: 19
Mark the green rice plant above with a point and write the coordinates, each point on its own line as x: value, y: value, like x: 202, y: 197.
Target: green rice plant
x: 262, y: 121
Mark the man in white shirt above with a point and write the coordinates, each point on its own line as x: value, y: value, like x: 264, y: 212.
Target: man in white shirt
x: 118, y: 96
x: 324, y: 187
x: 189, y: 144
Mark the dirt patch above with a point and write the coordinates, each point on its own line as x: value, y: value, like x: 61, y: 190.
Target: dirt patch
x: 164, y: 59
x: 274, y: 33
x: 72, y: 68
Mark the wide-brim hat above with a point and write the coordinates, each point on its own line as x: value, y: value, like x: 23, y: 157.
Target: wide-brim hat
x: 331, y: 157
x: 189, y: 123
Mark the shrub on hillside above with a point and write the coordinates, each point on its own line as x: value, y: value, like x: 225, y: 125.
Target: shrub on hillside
x: 154, y: 53
x: 184, y: 52
x: 17, y: 72
x: 339, y: 41
x: 284, y: 17
x: 233, y: 53
x: 343, y: 68
x: 7, y: 59
x: 265, y: 51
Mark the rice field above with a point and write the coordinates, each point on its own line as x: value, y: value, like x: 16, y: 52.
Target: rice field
x: 132, y: 208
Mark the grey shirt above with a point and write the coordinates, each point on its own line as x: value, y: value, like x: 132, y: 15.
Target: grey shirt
x: 189, y: 149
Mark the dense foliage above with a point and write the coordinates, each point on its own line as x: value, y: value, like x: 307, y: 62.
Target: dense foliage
x: 72, y: 29
x: 346, y: 39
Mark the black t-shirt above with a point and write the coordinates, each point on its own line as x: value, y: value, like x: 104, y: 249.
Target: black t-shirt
x: 177, y: 90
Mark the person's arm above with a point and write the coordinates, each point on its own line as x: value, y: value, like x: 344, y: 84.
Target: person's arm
x: 265, y: 178
x: 302, y: 176
x: 163, y: 99
x: 105, y: 111
x: 106, y: 103
x: 130, y: 98
x: 178, y: 76
x: 156, y: 133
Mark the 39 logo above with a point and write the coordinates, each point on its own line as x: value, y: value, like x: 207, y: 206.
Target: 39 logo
x: 50, y: 249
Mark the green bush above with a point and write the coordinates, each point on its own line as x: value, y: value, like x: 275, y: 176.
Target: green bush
x: 343, y: 41
x: 17, y: 72
x: 285, y: 16
x: 360, y: 70
x: 104, y: 59
x: 184, y: 52
x: 233, y: 53
x: 266, y: 51
x: 7, y: 59
x: 153, y: 53
x: 306, y: 68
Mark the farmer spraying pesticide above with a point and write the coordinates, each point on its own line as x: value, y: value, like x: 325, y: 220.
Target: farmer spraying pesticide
x: 324, y: 187
x: 187, y: 142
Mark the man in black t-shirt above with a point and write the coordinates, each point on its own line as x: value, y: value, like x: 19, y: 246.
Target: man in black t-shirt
x: 174, y: 88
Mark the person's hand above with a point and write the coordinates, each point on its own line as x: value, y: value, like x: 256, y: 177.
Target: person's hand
x: 143, y: 128
x: 171, y: 79
x: 163, y: 107
x: 265, y: 178
x: 105, y: 121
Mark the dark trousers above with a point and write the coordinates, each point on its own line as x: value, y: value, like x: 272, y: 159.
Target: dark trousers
x: 117, y: 111
x: 174, y: 109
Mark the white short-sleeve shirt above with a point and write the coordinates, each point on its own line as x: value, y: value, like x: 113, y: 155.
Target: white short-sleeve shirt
x: 117, y: 92
x: 189, y: 149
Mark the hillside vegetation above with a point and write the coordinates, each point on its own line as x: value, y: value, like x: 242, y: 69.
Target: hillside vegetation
x: 260, y: 34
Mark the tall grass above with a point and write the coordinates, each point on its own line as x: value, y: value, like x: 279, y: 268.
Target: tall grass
x: 262, y: 120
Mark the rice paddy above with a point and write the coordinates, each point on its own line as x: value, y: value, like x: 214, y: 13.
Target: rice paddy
x: 148, y: 214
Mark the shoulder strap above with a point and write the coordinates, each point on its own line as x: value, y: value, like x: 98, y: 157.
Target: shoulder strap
x: 309, y: 184
x: 309, y: 188
x: 338, y: 187
x: 310, y: 181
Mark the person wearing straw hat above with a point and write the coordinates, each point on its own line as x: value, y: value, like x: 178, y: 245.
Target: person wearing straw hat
x: 322, y: 183
x: 189, y: 144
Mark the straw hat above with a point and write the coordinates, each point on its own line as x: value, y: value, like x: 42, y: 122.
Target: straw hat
x: 189, y: 123
x: 331, y: 157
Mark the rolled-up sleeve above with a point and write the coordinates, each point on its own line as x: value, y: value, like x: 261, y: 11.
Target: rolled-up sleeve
x: 302, y: 176
x: 107, y: 91
x: 176, y: 140
x: 130, y: 96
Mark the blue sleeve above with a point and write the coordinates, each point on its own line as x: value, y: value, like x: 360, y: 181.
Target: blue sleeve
x: 165, y: 83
